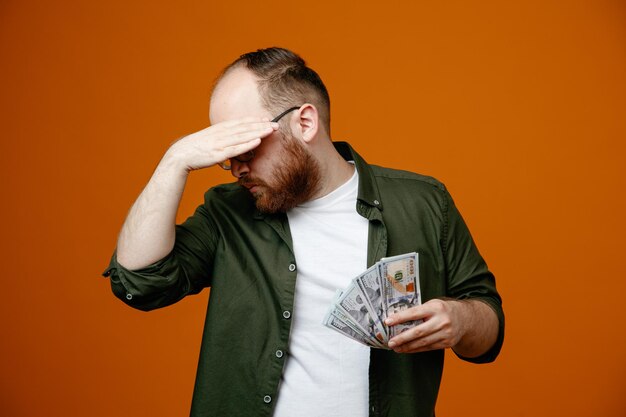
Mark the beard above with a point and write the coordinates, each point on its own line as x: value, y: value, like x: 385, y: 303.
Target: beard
x: 294, y: 182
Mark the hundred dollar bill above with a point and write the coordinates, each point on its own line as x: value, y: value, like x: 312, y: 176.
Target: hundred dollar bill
x: 399, y: 279
x: 354, y: 303
x: 341, y: 323
x: 369, y: 285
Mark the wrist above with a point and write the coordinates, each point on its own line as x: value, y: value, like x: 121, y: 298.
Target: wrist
x: 461, y: 313
x: 478, y: 327
x: 173, y: 161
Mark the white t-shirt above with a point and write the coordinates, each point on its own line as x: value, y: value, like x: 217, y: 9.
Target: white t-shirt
x: 326, y: 374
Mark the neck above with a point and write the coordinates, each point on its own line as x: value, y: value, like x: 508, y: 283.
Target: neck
x: 335, y: 171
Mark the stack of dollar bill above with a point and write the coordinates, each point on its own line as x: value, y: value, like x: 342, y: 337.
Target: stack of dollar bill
x: 389, y: 286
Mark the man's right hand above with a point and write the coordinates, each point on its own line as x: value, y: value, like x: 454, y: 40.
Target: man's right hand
x: 149, y: 230
x: 219, y: 142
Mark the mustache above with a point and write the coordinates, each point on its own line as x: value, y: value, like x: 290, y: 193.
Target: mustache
x: 250, y: 181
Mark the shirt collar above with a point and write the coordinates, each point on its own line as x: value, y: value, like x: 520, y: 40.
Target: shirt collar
x: 368, y: 189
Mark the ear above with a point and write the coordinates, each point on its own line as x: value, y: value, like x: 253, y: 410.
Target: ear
x: 306, y: 125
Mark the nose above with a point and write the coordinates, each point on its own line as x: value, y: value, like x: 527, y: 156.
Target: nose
x: 239, y: 169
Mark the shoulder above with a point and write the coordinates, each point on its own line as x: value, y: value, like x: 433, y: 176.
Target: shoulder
x: 408, y: 192
x: 397, y: 178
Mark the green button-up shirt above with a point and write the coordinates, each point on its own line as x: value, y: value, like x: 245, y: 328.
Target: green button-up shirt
x: 247, y: 259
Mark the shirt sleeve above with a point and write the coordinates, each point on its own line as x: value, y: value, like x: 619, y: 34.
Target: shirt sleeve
x: 467, y: 274
x: 185, y: 270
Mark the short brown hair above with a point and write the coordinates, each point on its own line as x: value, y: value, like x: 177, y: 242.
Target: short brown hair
x: 285, y: 81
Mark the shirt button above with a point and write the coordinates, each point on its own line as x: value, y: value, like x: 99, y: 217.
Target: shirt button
x: 286, y: 314
x: 129, y: 296
x: 267, y: 399
x: 279, y: 353
x: 292, y: 267
x: 376, y: 202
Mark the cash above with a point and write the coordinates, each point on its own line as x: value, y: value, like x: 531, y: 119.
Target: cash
x: 389, y: 286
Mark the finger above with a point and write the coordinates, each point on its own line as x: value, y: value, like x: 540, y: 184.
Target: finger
x: 251, y: 127
x: 248, y: 131
x: 245, y: 124
x: 421, y: 330
x: 223, y: 140
x: 423, y: 346
x: 438, y: 322
x: 235, y: 150
x: 424, y: 311
x: 231, y: 146
x: 242, y: 120
x: 410, y: 314
x: 427, y: 340
x: 248, y: 135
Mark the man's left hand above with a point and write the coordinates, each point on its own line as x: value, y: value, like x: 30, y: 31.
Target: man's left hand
x: 442, y: 326
x: 470, y: 327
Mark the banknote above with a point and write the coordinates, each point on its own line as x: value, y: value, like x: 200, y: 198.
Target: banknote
x: 389, y: 286
x: 339, y: 321
x: 399, y: 280
x: 354, y: 303
x: 369, y: 284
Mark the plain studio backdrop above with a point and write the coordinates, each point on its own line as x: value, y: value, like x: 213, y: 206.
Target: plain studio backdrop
x: 518, y: 107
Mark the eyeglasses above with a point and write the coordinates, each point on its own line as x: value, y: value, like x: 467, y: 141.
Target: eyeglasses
x: 246, y: 157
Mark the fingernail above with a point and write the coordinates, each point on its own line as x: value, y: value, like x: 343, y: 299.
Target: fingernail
x: 388, y: 321
x: 391, y: 344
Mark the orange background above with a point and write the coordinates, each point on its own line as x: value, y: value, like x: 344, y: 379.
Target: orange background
x: 518, y: 106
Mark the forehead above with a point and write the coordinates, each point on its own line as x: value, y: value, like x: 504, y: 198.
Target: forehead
x: 236, y: 96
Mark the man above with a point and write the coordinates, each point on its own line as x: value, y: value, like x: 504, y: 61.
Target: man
x: 305, y: 217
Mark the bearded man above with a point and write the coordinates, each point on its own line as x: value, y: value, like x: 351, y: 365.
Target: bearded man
x: 305, y: 217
